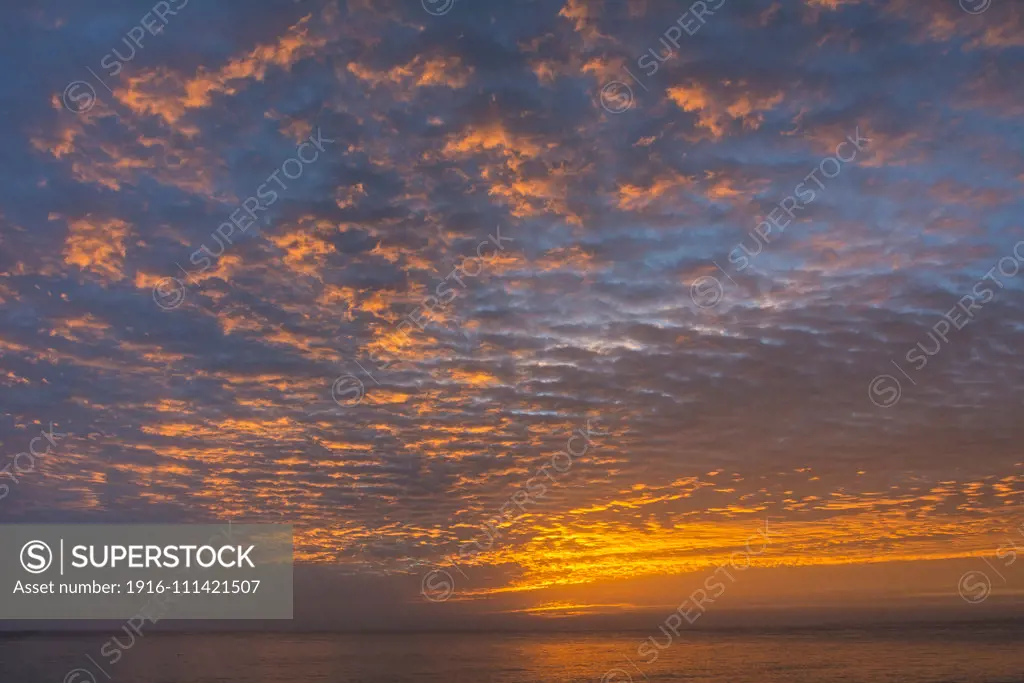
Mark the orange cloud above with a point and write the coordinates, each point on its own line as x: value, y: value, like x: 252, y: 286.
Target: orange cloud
x: 97, y: 246
x: 716, y: 111
x: 166, y: 94
x: 419, y: 72
x: 633, y: 197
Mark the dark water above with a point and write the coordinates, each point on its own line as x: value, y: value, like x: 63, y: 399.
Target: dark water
x: 979, y: 654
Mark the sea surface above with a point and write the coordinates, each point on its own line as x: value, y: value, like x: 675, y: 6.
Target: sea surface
x: 968, y: 653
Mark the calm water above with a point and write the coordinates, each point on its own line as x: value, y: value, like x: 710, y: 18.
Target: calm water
x: 907, y: 655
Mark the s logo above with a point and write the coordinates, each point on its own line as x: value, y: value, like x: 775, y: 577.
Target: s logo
x: 36, y: 557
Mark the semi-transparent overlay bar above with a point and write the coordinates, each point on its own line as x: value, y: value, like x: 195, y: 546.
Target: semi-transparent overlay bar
x: 158, y: 571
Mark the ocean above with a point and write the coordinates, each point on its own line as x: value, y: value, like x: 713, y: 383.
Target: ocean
x: 990, y: 653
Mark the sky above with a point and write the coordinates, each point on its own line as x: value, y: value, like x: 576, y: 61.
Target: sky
x: 531, y: 312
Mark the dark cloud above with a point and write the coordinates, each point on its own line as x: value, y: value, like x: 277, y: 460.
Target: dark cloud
x: 447, y: 129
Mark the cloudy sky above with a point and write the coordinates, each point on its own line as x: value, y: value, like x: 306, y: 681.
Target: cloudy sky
x: 366, y: 267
